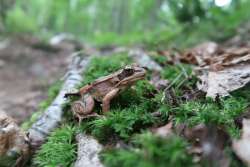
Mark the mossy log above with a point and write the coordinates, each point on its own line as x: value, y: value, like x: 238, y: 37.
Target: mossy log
x: 52, y: 117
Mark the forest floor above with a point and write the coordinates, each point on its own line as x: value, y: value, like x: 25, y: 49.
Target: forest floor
x: 26, y: 71
x: 28, y: 67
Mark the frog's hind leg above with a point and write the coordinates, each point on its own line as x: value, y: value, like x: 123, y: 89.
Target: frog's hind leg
x: 82, y: 108
x: 106, y: 100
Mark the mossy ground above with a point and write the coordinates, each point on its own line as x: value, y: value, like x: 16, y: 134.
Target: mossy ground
x: 130, y: 118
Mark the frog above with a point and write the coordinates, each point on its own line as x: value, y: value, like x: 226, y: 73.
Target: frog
x: 104, y: 89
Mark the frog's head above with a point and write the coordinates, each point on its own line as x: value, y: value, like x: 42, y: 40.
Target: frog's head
x: 132, y: 73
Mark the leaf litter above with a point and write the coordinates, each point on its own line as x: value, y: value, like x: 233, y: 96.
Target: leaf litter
x: 220, y: 70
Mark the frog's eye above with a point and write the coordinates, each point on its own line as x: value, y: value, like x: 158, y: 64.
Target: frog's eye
x: 128, y: 71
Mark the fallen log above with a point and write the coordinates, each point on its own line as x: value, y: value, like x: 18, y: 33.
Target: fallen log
x: 52, y: 117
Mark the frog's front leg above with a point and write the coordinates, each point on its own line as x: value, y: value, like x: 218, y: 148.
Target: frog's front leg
x: 107, y: 98
x: 82, y: 108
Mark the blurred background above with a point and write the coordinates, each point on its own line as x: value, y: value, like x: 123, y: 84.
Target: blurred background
x: 125, y: 22
x: 29, y: 63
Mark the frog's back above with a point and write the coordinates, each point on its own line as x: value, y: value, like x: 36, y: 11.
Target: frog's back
x: 102, y: 87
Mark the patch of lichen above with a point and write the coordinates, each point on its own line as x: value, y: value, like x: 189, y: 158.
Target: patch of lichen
x: 52, y: 93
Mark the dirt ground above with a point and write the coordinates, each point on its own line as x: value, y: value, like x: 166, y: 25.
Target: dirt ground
x: 27, y: 68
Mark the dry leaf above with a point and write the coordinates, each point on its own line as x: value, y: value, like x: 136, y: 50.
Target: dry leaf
x: 242, y: 146
x: 220, y: 83
x: 221, y: 70
x: 201, y: 54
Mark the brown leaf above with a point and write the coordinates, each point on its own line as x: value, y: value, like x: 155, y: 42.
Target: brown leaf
x: 173, y: 55
x: 201, y: 54
x: 220, y: 83
x: 226, y: 70
x: 242, y: 146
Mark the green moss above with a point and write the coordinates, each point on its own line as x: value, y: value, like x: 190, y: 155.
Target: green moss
x: 209, y: 112
x: 160, y: 59
x: 122, y: 123
x: 52, y: 93
x: 243, y: 93
x: 130, y: 113
x: 179, y: 75
x: 58, y: 150
x: 150, y: 151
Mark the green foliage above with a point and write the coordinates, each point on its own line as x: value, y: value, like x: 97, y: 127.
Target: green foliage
x: 18, y: 21
x: 187, y: 11
x: 123, y: 123
x: 52, y: 93
x: 160, y: 59
x: 180, y: 76
x: 130, y: 113
x: 150, y: 151
x: 181, y: 71
x: 209, y: 112
x: 111, y: 38
x: 186, y: 35
x: 117, y: 22
x: 58, y: 150
x: 243, y: 92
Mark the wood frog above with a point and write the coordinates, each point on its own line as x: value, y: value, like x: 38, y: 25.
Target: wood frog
x: 104, y: 89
